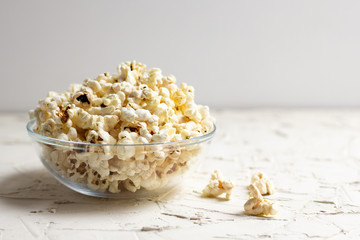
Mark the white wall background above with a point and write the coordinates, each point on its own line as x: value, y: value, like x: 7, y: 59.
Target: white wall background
x: 235, y: 53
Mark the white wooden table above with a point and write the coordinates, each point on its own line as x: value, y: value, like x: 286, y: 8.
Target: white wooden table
x: 312, y: 156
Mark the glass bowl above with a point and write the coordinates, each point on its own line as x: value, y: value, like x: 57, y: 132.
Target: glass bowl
x: 119, y: 170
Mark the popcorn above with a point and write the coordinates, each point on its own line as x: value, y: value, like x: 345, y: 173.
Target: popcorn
x: 257, y: 205
x: 142, y: 115
x: 262, y: 183
x: 131, y: 106
x: 260, y: 207
x: 72, y: 134
x: 217, y: 186
x: 128, y: 115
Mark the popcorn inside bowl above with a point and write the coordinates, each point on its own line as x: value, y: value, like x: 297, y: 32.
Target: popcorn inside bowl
x: 117, y: 168
x: 135, y: 129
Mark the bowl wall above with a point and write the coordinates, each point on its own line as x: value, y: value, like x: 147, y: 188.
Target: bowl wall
x: 119, y: 171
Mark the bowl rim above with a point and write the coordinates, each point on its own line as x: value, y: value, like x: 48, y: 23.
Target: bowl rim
x: 55, y: 141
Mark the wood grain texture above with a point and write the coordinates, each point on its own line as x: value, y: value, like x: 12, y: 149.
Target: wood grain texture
x: 312, y: 156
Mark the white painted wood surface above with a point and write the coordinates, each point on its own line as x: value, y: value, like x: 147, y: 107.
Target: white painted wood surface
x: 312, y: 156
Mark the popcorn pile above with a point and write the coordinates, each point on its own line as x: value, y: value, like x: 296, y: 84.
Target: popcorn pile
x: 131, y: 106
x: 257, y: 205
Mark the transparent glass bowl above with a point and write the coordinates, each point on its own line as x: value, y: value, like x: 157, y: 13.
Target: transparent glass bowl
x: 119, y: 170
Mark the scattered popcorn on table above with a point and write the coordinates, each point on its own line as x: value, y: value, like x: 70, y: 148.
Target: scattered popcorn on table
x: 263, y: 183
x: 218, y: 186
x: 260, y: 207
x: 131, y: 106
x: 257, y: 205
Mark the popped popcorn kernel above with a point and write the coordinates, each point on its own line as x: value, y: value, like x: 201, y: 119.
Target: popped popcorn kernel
x: 218, y: 186
x: 260, y: 207
x: 263, y: 183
